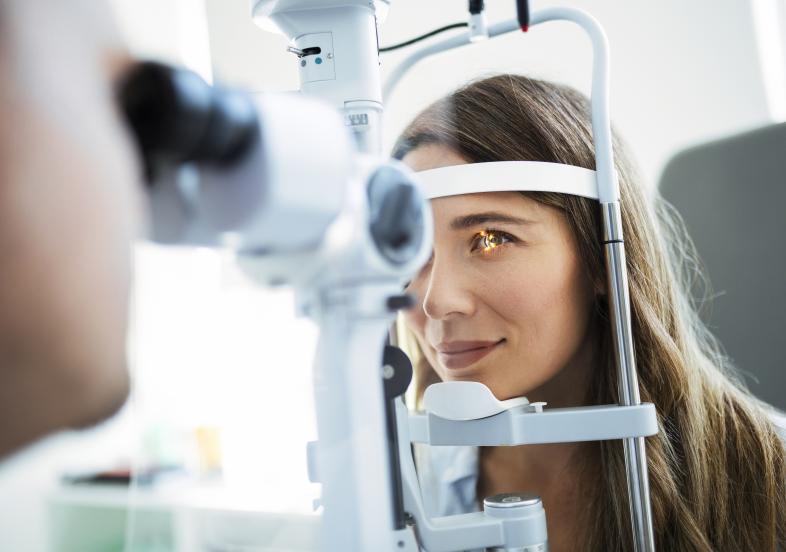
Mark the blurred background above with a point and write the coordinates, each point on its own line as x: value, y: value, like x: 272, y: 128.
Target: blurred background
x: 222, y: 385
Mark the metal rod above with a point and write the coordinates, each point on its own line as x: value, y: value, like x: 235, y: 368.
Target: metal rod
x: 622, y: 335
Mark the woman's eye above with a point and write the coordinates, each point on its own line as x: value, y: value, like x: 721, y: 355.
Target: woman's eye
x: 491, y: 241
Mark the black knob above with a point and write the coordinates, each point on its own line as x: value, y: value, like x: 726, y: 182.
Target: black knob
x: 400, y: 302
x: 396, y: 371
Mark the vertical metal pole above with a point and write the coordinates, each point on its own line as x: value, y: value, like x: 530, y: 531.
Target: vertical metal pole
x: 619, y: 309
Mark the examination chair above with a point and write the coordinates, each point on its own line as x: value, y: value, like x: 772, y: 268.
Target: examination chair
x: 732, y: 196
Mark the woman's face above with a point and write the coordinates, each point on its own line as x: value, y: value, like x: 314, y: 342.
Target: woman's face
x: 504, y: 299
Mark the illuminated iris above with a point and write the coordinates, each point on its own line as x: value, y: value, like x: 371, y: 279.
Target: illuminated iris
x: 489, y: 240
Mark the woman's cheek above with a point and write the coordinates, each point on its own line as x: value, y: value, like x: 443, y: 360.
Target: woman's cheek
x: 561, y: 310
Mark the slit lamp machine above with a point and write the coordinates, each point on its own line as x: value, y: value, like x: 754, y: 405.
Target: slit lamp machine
x: 229, y: 169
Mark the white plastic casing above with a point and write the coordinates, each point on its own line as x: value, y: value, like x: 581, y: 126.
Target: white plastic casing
x: 466, y: 400
x: 345, y: 72
x: 290, y: 187
x: 346, y: 30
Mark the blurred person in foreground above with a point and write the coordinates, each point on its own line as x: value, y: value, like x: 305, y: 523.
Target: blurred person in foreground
x: 69, y: 207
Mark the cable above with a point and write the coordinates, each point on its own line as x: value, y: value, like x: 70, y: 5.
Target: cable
x: 423, y: 37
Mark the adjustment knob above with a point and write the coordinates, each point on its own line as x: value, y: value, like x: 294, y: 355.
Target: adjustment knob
x: 524, y: 512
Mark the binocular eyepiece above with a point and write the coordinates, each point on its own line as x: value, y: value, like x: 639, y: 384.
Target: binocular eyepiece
x: 175, y: 116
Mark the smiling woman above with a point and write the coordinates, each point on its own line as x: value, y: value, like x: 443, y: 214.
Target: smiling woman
x: 520, y: 282
x: 514, y: 296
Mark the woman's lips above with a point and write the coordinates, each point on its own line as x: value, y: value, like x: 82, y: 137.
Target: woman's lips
x: 455, y: 361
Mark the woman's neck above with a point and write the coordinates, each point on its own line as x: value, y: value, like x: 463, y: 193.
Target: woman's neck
x: 557, y: 472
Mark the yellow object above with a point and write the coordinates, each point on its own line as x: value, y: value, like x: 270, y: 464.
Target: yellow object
x: 208, y: 440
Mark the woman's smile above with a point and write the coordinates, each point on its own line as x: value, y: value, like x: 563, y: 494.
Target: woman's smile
x: 464, y: 358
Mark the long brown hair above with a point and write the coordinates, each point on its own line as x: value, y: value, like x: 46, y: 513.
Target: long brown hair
x: 717, y: 468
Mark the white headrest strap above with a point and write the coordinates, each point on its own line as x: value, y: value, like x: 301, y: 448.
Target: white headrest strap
x: 508, y: 176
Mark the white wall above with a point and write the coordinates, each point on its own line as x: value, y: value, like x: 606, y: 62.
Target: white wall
x: 170, y: 30
x: 682, y: 72
x: 769, y: 20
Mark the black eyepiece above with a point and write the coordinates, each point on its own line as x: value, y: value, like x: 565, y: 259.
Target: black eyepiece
x: 176, y: 116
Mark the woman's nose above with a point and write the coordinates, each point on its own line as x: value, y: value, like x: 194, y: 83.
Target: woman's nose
x: 447, y: 293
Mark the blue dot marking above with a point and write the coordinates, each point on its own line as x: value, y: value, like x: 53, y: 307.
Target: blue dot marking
x: 318, y: 60
x: 302, y: 62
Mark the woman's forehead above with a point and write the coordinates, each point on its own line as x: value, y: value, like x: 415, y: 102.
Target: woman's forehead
x: 514, y: 204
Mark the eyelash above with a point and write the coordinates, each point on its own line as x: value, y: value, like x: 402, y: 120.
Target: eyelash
x: 488, y: 232
x: 490, y: 251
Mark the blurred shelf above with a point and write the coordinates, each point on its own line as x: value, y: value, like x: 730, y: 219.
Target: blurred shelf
x: 176, y: 517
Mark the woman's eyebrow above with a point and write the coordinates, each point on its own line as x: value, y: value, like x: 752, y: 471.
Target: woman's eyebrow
x: 478, y: 219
